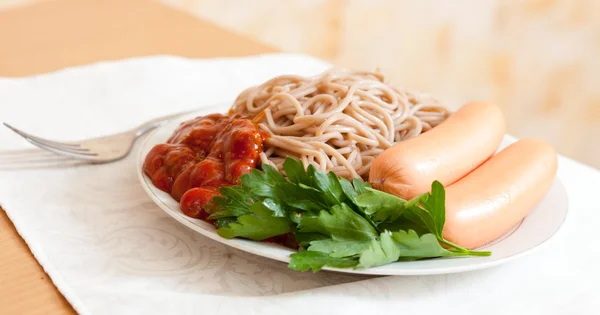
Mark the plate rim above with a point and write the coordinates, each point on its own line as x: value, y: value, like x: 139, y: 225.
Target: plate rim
x: 239, y: 244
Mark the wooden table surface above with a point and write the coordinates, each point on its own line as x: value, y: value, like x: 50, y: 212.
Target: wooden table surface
x: 53, y: 34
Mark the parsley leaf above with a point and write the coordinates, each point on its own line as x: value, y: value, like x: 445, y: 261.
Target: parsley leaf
x: 435, y: 203
x: 403, y: 245
x: 339, y: 249
x: 428, y: 210
x: 276, y: 207
x: 263, y: 184
x: 302, y: 197
x: 305, y: 260
x: 430, y: 214
x: 295, y: 172
x: 304, y: 239
x: 380, y: 252
x: 315, y: 187
x: 224, y: 222
x: 258, y: 225
x: 342, y: 223
x: 348, y: 190
x: 349, y: 233
x: 233, y: 202
x: 412, y: 246
x: 327, y: 184
x: 402, y: 224
x: 351, y: 194
x: 360, y: 186
x: 422, y: 217
x: 381, y: 206
x: 387, y: 248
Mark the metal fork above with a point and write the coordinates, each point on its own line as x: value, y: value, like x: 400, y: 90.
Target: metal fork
x: 98, y: 150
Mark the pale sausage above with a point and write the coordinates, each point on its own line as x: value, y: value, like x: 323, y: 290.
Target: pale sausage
x: 499, y: 194
x: 445, y: 153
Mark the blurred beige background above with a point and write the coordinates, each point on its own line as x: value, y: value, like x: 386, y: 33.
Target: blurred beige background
x: 538, y: 59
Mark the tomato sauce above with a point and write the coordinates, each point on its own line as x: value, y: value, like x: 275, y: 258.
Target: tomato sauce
x: 203, y: 154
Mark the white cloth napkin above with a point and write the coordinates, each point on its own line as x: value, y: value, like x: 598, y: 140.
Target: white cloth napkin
x: 110, y: 250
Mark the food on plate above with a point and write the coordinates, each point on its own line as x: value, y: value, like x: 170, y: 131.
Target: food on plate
x: 499, y: 194
x: 446, y: 153
x: 339, y: 121
x: 335, y: 223
x: 206, y: 152
x: 288, y: 164
x: 193, y: 201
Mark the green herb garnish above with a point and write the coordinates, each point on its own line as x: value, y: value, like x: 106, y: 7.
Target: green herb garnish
x: 336, y: 223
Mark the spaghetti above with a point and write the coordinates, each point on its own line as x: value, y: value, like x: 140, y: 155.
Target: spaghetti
x: 338, y: 121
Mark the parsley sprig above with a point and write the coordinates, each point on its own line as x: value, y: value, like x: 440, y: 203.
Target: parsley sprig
x: 337, y: 223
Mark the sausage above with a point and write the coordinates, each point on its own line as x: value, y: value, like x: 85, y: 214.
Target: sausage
x: 497, y: 195
x: 445, y: 153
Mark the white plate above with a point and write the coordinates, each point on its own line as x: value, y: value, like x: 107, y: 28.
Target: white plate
x: 536, y: 229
